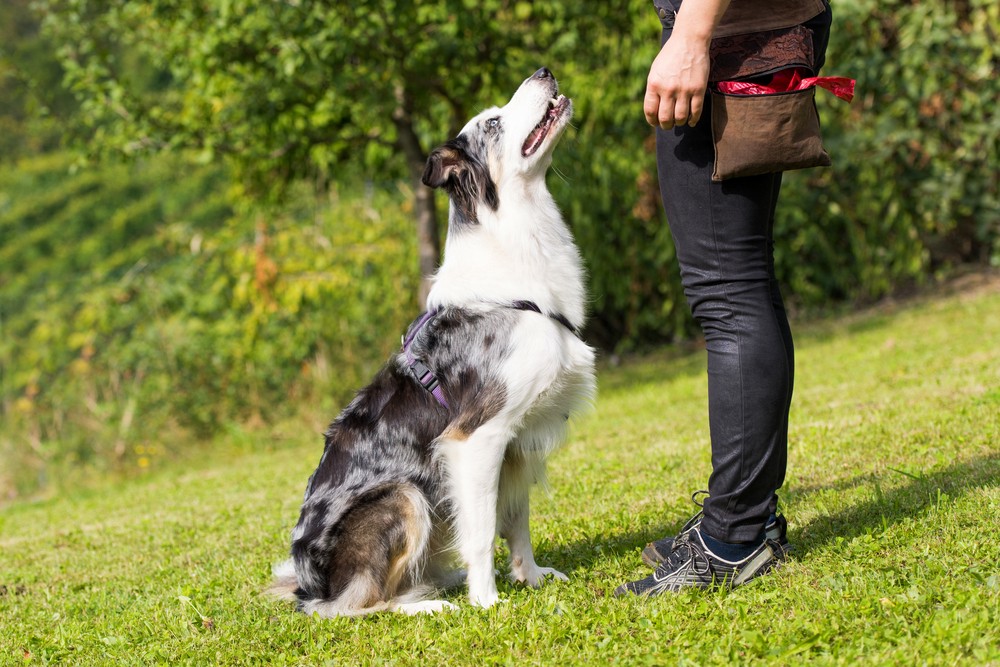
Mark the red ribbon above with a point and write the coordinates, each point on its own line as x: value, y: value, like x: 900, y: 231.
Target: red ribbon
x: 791, y: 80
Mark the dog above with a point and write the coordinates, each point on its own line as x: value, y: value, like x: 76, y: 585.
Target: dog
x: 437, y: 455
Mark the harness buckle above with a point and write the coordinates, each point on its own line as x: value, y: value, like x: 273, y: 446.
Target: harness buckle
x: 424, y: 375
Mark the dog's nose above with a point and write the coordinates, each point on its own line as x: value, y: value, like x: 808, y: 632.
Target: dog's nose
x: 542, y: 73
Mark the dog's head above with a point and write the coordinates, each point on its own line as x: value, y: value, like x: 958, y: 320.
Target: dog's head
x: 501, y: 146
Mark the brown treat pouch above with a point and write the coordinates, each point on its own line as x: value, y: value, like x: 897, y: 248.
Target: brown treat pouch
x: 764, y: 134
x: 758, y: 133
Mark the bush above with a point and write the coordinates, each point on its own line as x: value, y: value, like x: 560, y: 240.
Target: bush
x: 140, y: 310
x: 914, y: 189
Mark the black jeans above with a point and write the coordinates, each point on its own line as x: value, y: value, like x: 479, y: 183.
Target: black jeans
x: 724, y: 238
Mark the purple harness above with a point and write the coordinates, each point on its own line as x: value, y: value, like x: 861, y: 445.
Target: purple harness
x: 425, y: 376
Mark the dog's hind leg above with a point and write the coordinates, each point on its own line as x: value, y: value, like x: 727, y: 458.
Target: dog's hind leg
x: 376, y: 561
x: 521, y: 469
x: 442, y: 569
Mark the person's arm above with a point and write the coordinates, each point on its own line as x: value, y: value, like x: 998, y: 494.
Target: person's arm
x: 675, y: 87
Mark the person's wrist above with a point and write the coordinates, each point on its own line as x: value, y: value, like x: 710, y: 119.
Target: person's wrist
x: 694, y: 39
x: 695, y: 27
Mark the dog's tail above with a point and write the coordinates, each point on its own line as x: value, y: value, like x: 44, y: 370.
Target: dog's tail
x: 285, y: 583
x: 373, y: 564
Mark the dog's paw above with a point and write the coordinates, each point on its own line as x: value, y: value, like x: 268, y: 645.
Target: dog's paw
x: 535, y: 576
x: 425, y: 607
x: 485, y: 600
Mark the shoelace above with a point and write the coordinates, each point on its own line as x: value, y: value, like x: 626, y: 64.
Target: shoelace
x: 686, y: 550
x: 685, y: 531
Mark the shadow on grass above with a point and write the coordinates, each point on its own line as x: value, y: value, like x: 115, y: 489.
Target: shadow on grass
x: 920, y: 493
x: 916, y: 496
x: 588, y: 552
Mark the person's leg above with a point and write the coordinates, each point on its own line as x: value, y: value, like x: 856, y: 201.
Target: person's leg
x: 723, y: 236
x: 725, y: 246
x: 724, y: 239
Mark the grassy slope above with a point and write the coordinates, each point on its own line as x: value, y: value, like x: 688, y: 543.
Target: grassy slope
x: 892, y: 495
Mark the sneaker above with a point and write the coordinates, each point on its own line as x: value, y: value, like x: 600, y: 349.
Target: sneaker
x: 656, y: 552
x: 692, y: 565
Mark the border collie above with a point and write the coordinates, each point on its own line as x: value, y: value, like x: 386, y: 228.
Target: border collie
x: 437, y: 455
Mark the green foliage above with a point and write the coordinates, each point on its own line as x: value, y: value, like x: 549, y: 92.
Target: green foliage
x: 914, y: 187
x: 139, y: 310
x: 288, y: 89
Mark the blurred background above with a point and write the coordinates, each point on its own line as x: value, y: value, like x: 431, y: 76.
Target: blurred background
x: 211, y: 222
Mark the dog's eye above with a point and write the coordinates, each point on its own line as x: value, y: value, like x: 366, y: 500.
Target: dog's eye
x: 493, y: 123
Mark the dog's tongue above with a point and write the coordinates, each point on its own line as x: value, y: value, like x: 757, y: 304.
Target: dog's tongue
x: 537, y: 135
x: 535, y: 139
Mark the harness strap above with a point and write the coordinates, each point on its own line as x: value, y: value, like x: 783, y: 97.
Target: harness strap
x: 425, y: 377
x: 532, y: 306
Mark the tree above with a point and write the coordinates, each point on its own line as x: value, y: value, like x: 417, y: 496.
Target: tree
x: 307, y: 88
x: 33, y: 106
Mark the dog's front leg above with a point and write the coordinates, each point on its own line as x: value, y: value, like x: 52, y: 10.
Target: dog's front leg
x: 473, y: 469
x: 520, y: 471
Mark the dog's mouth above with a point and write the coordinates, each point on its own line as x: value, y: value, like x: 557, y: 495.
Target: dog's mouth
x: 557, y: 107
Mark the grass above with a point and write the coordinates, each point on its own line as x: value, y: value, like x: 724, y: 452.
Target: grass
x: 893, y: 497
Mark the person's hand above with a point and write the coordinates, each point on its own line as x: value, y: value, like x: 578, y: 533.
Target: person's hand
x: 675, y: 87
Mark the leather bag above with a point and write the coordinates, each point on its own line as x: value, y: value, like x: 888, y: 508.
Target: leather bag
x: 762, y: 134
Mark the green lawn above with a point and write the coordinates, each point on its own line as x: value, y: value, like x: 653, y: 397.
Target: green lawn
x: 893, y: 497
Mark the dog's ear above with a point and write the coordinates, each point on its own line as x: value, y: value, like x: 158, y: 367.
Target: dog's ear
x: 443, y: 163
x: 463, y: 176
